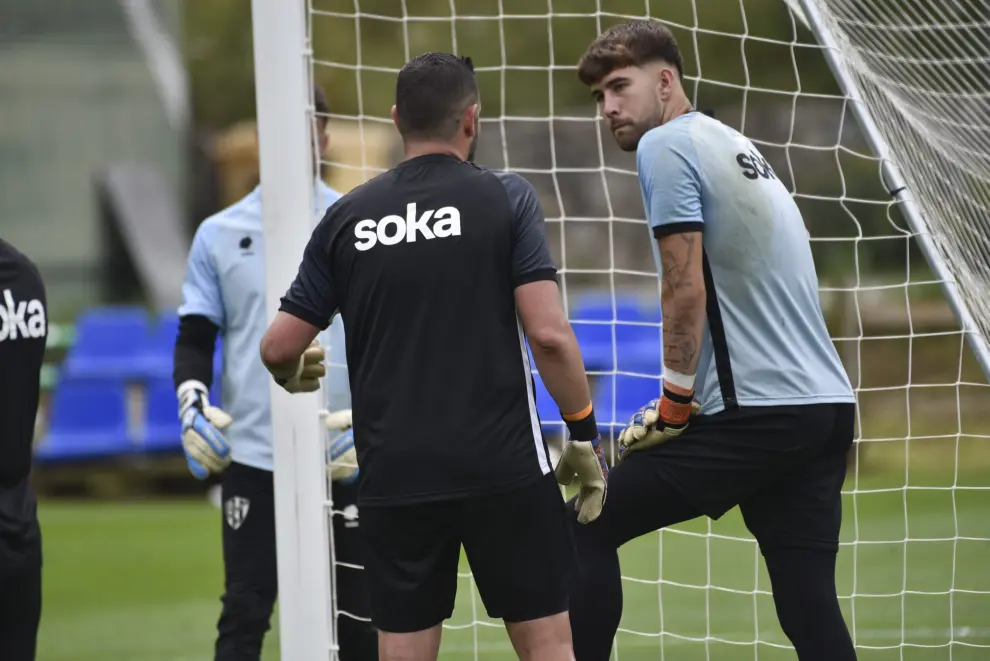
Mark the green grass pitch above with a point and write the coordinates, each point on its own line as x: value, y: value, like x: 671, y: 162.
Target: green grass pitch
x: 142, y: 581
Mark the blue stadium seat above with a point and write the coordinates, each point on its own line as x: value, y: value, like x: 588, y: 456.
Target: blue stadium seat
x: 110, y: 342
x: 598, y: 306
x: 88, y: 421
x: 546, y: 408
x: 159, y: 346
x: 636, y: 346
x: 631, y: 392
x: 595, y: 340
x: 162, y: 429
x: 639, y: 348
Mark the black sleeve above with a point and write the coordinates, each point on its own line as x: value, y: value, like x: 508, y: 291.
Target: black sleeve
x: 23, y: 335
x: 194, y: 347
x: 531, y: 259
x: 311, y: 295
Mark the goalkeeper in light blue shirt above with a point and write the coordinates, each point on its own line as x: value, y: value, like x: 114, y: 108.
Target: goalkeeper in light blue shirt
x: 224, y: 294
x: 743, y: 336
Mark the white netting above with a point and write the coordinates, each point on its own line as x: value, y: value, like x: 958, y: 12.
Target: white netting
x: 924, y: 70
x: 913, y: 566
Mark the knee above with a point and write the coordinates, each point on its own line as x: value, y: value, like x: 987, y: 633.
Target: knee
x: 247, y: 608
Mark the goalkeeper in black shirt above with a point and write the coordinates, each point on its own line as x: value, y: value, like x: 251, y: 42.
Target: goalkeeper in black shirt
x: 23, y: 332
x: 440, y: 270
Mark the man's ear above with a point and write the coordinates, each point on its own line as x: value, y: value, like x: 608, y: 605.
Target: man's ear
x: 395, y: 117
x: 469, y: 119
x: 665, y: 83
x: 324, y: 140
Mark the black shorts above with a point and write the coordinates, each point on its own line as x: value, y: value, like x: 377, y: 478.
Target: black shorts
x: 784, y: 467
x: 519, y: 545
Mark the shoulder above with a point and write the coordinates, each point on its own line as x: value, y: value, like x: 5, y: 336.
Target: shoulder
x: 11, y: 255
x: 16, y: 265
x: 516, y: 186
x: 239, y: 216
x: 364, y: 191
x: 675, y: 134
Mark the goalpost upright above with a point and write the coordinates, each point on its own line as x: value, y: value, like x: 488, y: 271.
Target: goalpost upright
x: 283, y: 92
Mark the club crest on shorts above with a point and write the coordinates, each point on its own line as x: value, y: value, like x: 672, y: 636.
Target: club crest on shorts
x: 236, y: 510
x: 350, y: 514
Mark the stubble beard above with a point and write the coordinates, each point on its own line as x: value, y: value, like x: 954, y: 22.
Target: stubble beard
x: 634, y: 132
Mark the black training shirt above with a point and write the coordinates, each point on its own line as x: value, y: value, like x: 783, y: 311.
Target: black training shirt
x: 422, y: 262
x: 23, y: 332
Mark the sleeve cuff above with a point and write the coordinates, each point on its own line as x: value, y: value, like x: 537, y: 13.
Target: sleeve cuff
x: 307, y: 315
x: 680, y: 227
x: 199, y: 311
x: 535, y: 276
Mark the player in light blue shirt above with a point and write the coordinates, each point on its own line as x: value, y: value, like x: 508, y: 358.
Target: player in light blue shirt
x: 224, y: 295
x: 699, y: 175
x: 744, y: 340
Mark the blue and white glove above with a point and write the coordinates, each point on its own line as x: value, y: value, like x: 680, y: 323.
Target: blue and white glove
x: 658, y: 421
x: 342, y: 466
x: 207, y: 451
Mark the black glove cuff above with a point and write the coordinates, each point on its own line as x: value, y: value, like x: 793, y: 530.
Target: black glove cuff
x: 677, y: 397
x: 585, y: 429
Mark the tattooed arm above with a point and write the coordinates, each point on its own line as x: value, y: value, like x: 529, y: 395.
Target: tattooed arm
x: 682, y: 299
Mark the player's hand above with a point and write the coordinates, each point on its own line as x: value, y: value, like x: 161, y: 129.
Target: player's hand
x: 585, y: 460
x: 658, y: 421
x: 342, y: 466
x: 310, y: 370
x: 207, y: 451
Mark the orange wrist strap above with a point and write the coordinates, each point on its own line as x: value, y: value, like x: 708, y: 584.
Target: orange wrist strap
x: 580, y: 415
x: 674, y: 412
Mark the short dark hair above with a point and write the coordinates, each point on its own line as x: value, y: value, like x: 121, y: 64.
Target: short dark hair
x: 631, y: 44
x: 431, y: 93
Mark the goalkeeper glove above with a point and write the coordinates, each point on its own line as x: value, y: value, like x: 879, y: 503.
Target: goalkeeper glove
x: 343, y: 466
x: 309, y: 371
x: 582, y: 457
x: 207, y: 451
x: 660, y: 420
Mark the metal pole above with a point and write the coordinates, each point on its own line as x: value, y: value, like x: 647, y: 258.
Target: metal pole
x: 977, y: 343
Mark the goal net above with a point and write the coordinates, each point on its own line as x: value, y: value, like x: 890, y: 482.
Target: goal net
x: 874, y: 113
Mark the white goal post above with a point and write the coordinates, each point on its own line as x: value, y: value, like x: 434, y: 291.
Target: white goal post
x: 875, y: 114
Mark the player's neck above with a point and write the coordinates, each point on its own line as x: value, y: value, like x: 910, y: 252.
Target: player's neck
x: 414, y: 149
x: 677, y: 107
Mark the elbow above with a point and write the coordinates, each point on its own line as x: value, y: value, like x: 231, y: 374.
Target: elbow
x: 696, y: 298
x: 273, y: 353
x: 551, y: 341
x: 688, y: 301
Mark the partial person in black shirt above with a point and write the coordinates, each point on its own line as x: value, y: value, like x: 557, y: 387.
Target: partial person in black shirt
x: 23, y: 333
x: 441, y: 272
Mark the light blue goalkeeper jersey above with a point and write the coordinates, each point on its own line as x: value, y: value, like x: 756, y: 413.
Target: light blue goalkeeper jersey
x: 225, y: 282
x: 765, y: 342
